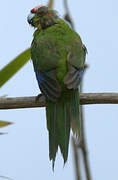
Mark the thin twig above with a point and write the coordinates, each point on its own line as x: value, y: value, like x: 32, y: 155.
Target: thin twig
x: 82, y: 142
x: 77, y: 154
x: 83, y: 147
x: 3, y: 133
x: 30, y: 102
x: 76, y: 160
x: 50, y: 4
x: 82, y: 131
x: 66, y: 6
x: 4, y: 177
x: 67, y: 16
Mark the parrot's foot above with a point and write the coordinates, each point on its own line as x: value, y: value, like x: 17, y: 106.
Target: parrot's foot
x: 38, y: 97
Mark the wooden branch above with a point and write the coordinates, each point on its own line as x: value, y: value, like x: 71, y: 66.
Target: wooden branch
x: 21, y: 102
x: 30, y: 102
x: 76, y: 160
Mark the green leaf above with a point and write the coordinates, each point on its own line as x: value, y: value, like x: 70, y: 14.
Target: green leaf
x: 15, y: 65
x: 5, y: 123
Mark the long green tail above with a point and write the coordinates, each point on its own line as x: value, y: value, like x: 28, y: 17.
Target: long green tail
x: 60, y: 117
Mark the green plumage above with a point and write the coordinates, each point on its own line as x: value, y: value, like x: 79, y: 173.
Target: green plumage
x: 58, y: 54
x: 51, y: 47
x: 60, y: 117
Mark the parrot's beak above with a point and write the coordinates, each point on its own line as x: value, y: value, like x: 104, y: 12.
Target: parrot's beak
x: 30, y: 17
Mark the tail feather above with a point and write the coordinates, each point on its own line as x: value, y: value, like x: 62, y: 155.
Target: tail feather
x: 51, y: 125
x: 63, y: 126
x: 75, y: 114
x: 62, y: 115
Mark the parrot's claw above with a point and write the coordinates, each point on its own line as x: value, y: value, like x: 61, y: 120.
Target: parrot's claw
x: 38, y: 97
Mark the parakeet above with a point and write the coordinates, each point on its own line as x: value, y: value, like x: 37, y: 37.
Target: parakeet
x: 58, y: 56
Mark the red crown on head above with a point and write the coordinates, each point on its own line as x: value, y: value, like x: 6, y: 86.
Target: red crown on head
x: 34, y: 10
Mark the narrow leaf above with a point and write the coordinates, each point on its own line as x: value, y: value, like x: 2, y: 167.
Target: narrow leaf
x: 15, y: 65
x: 5, y: 123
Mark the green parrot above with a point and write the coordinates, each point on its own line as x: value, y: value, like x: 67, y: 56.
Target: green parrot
x: 58, y: 56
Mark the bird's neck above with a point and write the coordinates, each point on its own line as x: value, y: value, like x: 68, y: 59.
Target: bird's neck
x: 46, y: 22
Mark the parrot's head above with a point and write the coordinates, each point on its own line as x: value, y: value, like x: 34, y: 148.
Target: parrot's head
x: 42, y: 16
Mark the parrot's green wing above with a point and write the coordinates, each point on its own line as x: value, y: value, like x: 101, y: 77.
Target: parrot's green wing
x: 75, y: 62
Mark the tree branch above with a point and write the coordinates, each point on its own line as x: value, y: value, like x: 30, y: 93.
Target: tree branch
x: 50, y: 4
x: 67, y: 16
x: 83, y: 146
x: 30, y: 102
x: 82, y: 142
x: 76, y: 160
